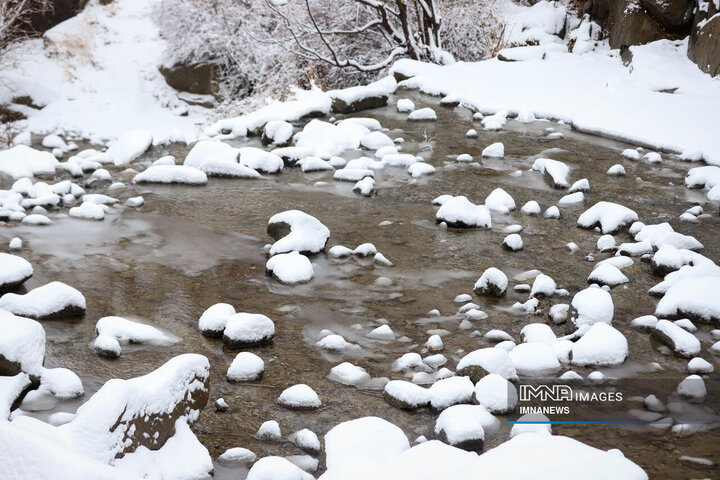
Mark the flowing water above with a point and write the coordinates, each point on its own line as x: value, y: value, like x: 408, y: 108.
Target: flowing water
x: 191, y: 247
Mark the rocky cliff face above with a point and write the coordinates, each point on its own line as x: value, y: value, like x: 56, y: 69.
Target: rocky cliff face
x: 635, y: 22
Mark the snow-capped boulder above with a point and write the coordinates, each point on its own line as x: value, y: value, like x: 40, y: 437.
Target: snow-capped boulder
x: 366, y: 440
x: 593, y: 305
x: 496, y: 150
x: 245, y: 367
x: 290, y: 268
x: 88, y: 211
x: 349, y: 374
x: 534, y: 359
x: 611, y: 217
x: 22, y: 345
x: 297, y: 231
x: 260, y: 160
x: 555, y: 172
x: 531, y: 208
x: 406, y: 395
x: 269, y: 431
x: 307, y: 440
x: 479, y: 363
x: 450, y: 391
x: 492, y: 282
x: 463, y: 426
x: 693, y: 389
x: 112, y: 332
x: 363, y: 97
x: 496, y: 394
x: 276, y: 468
x: 236, y: 457
x: 459, y: 212
x: 681, y: 341
x: 300, y: 397
x: 277, y: 132
x: 500, y: 201
x: 53, y: 300
x: 699, y: 365
x: 426, y: 113
x: 694, y: 298
x: 601, y: 345
x: 171, y: 174
x: 14, y: 271
x: 513, y: 242
x: 213, y: 320
x: 23, y: 161
x: 543, y: 286
x: 247, y: 330
x: 607, y: 274
x: 405, y: 105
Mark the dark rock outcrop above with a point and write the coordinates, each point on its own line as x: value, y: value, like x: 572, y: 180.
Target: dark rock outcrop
x: 199, y: 78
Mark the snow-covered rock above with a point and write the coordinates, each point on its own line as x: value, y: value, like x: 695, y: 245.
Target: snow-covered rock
x: 426, y: 113
x: 496, y: 150
x: 290, y: 268
x: 213, y: 320
x: 496, y: 394
x: 53, y: 300
x: 459, y: 212
x: 23, y: 161
x: 480, y: 363
x: 246, y: 367
x: 14, y: 270
x: 236, y: 456
x: 248, y: 329
x: 572, y: 199
x: 611, y: 217
x: 463, y: 426
x: 405, y: 105
x: 365, y: 186
x: 700, y: 366
x: 364, y: 441
x: 349, y: 374
x: 534, y: 359
x: 88, y: 211
x: 681, y: 341
x: 112, y: 332
x: 500, y: 201
x: 543, y: 286
x: 593, y: 305
x: 693, y: 389
x: 299, y: 396
x: 695, y: 298
x: 406, y: 395
x: 22, y: 345
x: 297, y: 231
x: 492, y: 282
x: 607, y: 274
x: 616, y: 170
x: 260, y: 160
x: 663, y: 235
x: 269, y: 430
x: 450, y: 391
x: 601, y: 345
x: 171, y: 174
x: 306, y: 440
x: 383, y: 332
x: 363, y: 97
x: 531, y: 208
x: 420, y: 169
x: 276, y: 468
x: 277, y: 132
x: 513, y: 242
x: 555, y: 172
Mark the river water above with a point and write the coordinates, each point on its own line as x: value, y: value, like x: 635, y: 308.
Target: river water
x: 191, y: 247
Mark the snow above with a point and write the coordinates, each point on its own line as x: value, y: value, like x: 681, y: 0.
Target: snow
x: 306, y: 439
x: 496, y: 394
x: 543, y: 285
x: 279, y: 132
x: 450, y: 391
x: 600, y: 98
x: 217, y: 159
x: 171, y: 174
x: 616, y: 170
x: 399, y: 160
x: 125, y: 331
x: 531, y: 208
x: 299, y: 396
x: 492, y: 360
x: 276, y: 468
x: 630, y: 154
x: 700, y: 365
x: 426, y: 113
x: 556, y: 171
x: 14, y: 245
x: 593, y: 305
x: 460, y: 212
x: 88, y: 211
x: 248, y: 329
x: 366, y: 440
x: 259, y: 159
x: 462, y: 423
x: 582, y: 185
x: 572, y: 199
x: 23, y: 161
x: 215, y: 318
x: 607, y: 274
x: 513, y: 242
x: 663, y: 234
x: 601, y: 345
x: 383, y: 87
x: 500, y: 201
x: 495, y: 150
x: 269, y: 430
x: 43, y: 302
x: 290, y: 268
x: 352, y: 174
x: 129, y: 146
x: 682, y: 341
x: 349, y: 374
x: 695, y: 297
x: 383, y: 332
x: 325, y: 140
x: 376, y: 140
x: 534, y: 359
x: 406, y: 395
x: 335, y: 343
x: 14, y: 270
x: 23, y: 342
x: 420, y: 169
x: 405, y: 105
x: 552, y: 212
x: 11, y: 387
x: 245, y: 367
x: 236, y: 456
x: 693, y: 389
x: 307, y: 233
x: 611, y: 217
x: 61, y: 383
x: 538, y: 333
x: 492, y: 282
